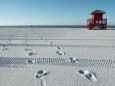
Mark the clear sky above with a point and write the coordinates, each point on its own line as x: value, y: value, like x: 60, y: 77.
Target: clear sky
x: 53, y: 12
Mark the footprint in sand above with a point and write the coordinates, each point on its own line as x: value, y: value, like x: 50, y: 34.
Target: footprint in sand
x: 5, y: 48
x: 32, y: 53
x: 31, y: 61
x: 42, y: 73
x: 73, y: 60
x: 60, y: 48
x: 60, y: 53
x: 89, y: 75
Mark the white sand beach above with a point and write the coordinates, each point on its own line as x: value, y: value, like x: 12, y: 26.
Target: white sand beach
x: 25, y: 51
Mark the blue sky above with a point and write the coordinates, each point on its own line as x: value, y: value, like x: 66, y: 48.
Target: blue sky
x: 53, y: 12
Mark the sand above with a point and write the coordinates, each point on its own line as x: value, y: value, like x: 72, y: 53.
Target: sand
x: 93, y: 49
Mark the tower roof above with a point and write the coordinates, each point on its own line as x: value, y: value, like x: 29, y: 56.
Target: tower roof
x: 98, y: 11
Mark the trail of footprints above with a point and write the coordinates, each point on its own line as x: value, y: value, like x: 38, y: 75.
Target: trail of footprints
x: 64, y: 45
x: 58, y: 61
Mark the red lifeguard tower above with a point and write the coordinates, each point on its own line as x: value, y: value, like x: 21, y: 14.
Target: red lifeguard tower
x: 97, y: 21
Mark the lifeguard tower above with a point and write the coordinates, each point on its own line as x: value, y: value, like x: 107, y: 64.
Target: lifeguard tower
x: 97, y: 21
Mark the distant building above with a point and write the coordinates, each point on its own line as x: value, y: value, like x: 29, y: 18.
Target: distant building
x: 97, y: 21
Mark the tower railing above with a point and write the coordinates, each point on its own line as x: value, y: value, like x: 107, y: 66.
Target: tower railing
x: 99, y: 22
x: 91, y: 23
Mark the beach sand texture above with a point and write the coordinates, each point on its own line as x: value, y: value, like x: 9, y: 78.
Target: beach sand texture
x: 25, y: 51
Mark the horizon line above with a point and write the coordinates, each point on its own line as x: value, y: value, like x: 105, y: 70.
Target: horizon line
x: 49, y: 25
